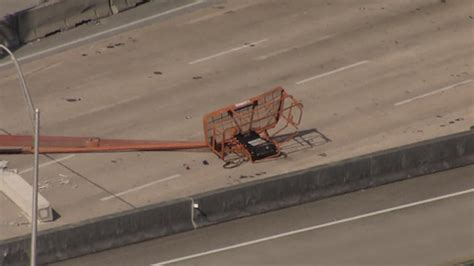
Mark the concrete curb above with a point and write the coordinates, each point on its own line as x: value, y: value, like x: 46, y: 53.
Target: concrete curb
x: 247, y: 199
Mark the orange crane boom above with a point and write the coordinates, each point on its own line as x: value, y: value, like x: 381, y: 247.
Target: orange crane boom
x: 53, y: 144
x: 248, y: 129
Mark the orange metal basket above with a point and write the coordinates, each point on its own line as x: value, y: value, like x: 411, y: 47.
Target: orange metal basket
x: 268, y: 115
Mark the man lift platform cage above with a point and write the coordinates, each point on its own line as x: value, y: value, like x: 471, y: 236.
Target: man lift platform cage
x: 250, y: 128
x: 253, y: 130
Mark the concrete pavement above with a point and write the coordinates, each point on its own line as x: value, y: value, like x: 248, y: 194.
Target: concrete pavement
x: 423, y: 221
x: 372, y: 75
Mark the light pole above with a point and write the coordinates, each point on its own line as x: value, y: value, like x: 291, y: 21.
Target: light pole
x: 35, y: 120
x: 23, y: 86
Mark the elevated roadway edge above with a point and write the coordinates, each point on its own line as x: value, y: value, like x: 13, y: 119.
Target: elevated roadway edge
x: 252, y: 198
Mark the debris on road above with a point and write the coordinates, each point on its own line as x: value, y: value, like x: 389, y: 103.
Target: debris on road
x: 71, y: 100
x: 186, y: 166
x: 64, y: 181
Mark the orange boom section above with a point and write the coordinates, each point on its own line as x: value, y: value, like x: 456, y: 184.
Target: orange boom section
x: 55, y: 144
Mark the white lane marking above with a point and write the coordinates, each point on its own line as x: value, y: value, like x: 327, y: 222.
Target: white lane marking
x: 48, y: 163
x: 203, y: 18
x: 284, y: 50
x: 433, y: 92
x: 227, y: 51
x: 107, y: 31
x: 140, y: 187
x: 108, y: 106
x: 332, y: 72
x: 213, y: 15
x: 358, y: 217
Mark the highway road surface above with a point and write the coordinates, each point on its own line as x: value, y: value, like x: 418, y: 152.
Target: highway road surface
x: 371, y: 74
x: 424, y: 221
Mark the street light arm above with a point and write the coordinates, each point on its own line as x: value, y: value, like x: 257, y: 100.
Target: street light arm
x: 25, y: 91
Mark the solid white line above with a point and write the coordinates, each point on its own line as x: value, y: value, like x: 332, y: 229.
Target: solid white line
x: 332, y: 72
x: 227, y: 52
x: 140, y: 187
x: 107, y: 31
x: 108, y: 106
x: 358, y: 217
x: 284, y: 50
x: 433, y: 92
x: 48, y: 163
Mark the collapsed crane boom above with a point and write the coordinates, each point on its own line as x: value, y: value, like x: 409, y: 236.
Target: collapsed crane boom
x: 58, y: 144
x: 248, y: 129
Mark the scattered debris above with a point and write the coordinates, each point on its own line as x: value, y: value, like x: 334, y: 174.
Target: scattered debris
x: 186, y: 166
x: 18, y: 224
x: 72, y: 100
x: 205, y: 162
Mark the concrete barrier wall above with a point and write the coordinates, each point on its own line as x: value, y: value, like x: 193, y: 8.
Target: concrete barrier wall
x: 39, y: 21
x: 122, y: 5
x: 336, y: 178
x: 101, y: 233
x: 246, y: 199
x: 50, y: 17
x: 9, y: 33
